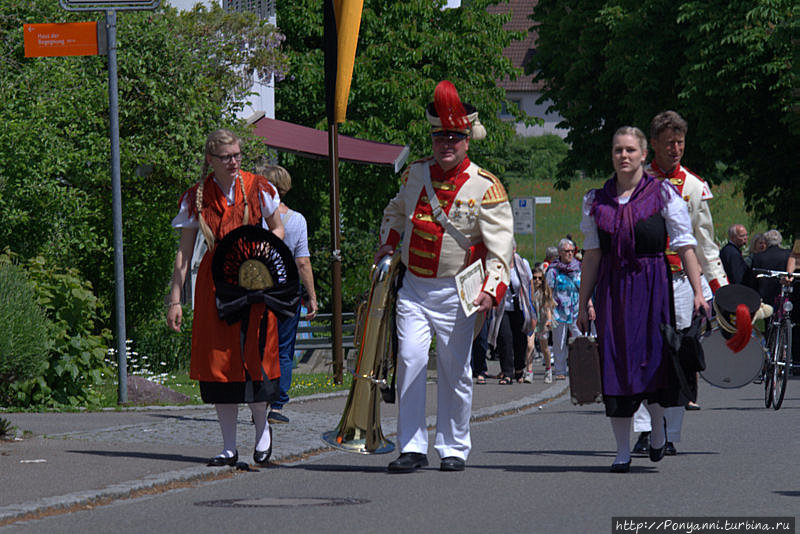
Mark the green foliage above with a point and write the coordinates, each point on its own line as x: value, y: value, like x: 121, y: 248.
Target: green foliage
x: 25, y: 334
x: 730, y: 68
x: 159, y: 349
x: 180, y: 76
x: 532, y: 158
x: 404, y: 50
x: 76, y: 357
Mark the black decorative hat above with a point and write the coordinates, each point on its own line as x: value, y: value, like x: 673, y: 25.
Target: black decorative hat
x: 736, y: 306
x: 252, y: 265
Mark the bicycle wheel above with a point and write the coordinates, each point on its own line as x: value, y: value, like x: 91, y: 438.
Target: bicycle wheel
x: 780, y: 366
x: 766, y: 373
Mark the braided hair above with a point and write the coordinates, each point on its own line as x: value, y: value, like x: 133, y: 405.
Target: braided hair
x: 214, y: 140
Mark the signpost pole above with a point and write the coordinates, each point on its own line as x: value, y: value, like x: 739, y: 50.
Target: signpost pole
x: 116, y: 202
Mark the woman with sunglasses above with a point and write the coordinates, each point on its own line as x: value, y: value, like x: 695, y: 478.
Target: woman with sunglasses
x: 544, y: 304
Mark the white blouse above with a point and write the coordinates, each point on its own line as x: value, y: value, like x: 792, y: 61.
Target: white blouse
x: 269, y: 203
x: 675, y: 213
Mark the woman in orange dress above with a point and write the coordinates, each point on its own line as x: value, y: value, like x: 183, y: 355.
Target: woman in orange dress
x: 223, y: 200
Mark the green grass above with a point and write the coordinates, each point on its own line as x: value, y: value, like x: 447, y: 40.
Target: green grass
x: 563, y: 215
x: 302, y: 385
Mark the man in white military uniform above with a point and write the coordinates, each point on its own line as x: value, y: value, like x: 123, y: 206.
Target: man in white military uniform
x: 471, y: 219
x: 668, y: 139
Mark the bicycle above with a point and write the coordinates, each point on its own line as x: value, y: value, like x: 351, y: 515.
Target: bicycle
x: 778, y: 347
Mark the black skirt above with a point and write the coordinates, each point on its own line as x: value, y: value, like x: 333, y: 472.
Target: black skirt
x: 626, y: 405
x: 240, y: 392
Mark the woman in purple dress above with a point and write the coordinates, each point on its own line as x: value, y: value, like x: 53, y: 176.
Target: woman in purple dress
x: 624, y: 273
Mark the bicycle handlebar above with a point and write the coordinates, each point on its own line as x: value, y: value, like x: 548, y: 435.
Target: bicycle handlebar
x: 767, y: 273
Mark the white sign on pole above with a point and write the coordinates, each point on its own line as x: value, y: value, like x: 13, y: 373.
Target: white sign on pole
x: 524, y: 209
x: 543, y: 200
x: 99, y: 5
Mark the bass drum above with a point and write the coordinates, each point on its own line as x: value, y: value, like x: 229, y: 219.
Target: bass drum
x: 726, y: 369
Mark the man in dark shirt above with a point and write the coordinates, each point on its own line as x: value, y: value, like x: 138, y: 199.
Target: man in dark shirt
x: 774, y: 258
x: 731, y: 254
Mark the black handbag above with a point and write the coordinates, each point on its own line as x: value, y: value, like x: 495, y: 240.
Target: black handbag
x: 686, y: 352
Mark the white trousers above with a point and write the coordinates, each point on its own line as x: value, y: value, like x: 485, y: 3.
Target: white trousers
x: 560, y: 347
x: 426, y: 306
x: 684, y: 307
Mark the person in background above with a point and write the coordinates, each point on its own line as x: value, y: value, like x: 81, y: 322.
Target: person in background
x: 774, y: 258
x: 626, y: 224
x: 564, y: 278
x: 757, y: 244
x: 544, y: 304
x: 731, y: 254
x: 512, y: 321
x: 296, y: 239
x: 550, y: 255
x: 668, y: 138
x: 223, y: 200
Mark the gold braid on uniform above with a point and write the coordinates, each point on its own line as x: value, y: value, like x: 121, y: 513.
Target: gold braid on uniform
x: 496, y: 193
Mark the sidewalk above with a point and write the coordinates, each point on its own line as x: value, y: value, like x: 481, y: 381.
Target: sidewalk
x: 73, y: 459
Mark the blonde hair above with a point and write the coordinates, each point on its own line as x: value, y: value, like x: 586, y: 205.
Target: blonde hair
x: 279, y: 177
x: 216, y: 139
x: 543, y: 296
x: 635, y: 132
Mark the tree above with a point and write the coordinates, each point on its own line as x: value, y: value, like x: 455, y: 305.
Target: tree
x: 404, y: 50
x: 726, y: 66
x: 180, y: 76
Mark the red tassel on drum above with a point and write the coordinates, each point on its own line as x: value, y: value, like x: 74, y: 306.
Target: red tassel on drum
x: 449, y: 107
x: 744, y: 328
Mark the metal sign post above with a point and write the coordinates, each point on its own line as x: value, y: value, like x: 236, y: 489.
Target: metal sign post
x: 111, y: 7
x: 524, y: 210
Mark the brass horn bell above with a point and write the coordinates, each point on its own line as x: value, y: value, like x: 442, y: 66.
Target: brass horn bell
x: 359, y: 429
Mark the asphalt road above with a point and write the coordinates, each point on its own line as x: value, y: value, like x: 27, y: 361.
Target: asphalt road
x: 541, y: 470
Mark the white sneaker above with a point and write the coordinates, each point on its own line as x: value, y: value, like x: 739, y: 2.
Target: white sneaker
x: 528, y: 377
x: 548, y: 376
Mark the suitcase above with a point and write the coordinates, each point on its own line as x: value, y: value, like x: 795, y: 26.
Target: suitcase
x: 585, y: 378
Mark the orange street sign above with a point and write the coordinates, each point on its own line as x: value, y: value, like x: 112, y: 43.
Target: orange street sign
x: 64, y: 39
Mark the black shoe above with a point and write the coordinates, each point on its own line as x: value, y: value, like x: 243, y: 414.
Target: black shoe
x: 408, y: 462
x: 220, y: 461
x: 452, y: 463
x: 621, y: 468
x: 262, y: 457
x: 692, y: 406
x: 277, y: 417
x: 657, y: 454
x: 669, y: 449
x: 643, y: 444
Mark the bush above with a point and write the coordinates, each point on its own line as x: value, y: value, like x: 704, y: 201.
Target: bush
x: 157, y: 348
x: 25, y: 333
x: 76, y: 363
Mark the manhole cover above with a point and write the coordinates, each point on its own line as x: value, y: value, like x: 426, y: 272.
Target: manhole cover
x: 271, y: 502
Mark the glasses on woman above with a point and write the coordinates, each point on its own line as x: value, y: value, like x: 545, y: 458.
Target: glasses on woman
x: 227, y: 158
x: 537, y: 277
x: 568, y: 251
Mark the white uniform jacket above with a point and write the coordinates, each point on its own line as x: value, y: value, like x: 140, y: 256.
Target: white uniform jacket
x: 476, y: 203
x: 696, y: 193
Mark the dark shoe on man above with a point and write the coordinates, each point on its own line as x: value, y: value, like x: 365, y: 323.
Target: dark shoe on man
x: 452, y: 463
x: 408, y: 462
x: 643, y: 444
x: 276, y: 418
x: 621, y: 468
x: 669, y: 449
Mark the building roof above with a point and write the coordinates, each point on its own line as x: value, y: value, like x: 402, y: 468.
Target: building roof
x: 519, y: 52
x: 312, y: 143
